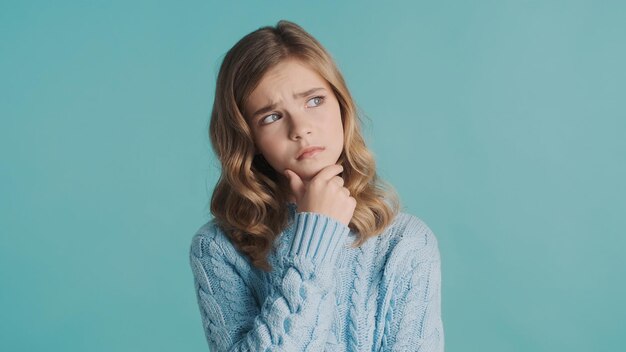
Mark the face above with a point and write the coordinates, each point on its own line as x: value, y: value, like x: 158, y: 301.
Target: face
x: 291, y: 109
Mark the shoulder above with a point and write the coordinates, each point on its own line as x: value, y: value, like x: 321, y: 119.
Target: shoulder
x: 200, y: 242
x: 411, y: 241
x: 210, y: 243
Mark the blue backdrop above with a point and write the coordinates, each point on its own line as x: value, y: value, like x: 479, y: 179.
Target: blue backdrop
x: 500, y: 123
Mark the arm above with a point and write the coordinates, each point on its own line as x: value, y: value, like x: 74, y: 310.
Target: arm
x: 414, y: 322
x: 298, y: 310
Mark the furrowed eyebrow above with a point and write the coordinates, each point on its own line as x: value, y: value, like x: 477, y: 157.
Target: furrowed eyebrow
x: 272, y: 106
x: 304, y: 94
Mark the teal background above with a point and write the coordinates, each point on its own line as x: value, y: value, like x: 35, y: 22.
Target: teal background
x: 500, y: 123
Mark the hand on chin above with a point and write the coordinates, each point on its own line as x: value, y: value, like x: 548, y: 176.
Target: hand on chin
x: 306, y: 174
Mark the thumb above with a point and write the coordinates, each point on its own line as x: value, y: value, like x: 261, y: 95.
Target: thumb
x: 295, y: 183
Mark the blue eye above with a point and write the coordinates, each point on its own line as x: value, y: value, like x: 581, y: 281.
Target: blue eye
x: 273, y: 117
x: 264, y: 120
x: 319, y: 98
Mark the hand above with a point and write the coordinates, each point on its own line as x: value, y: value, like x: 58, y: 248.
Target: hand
x: 324, y: 194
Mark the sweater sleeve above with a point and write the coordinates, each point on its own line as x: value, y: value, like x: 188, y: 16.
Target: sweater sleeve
x: 297, y: 312
x: 413, y: 322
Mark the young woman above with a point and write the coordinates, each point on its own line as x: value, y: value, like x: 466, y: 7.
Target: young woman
x: 307, y: 250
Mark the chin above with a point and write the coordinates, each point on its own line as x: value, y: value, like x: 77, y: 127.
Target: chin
x: 309, y: 169
x: 307, y: 173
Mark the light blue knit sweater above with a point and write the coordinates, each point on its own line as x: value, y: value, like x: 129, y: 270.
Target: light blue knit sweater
x: 322, y: 294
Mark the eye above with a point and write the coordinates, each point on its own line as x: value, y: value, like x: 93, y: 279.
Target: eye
x: 319, y: 100
x: 269, y: 119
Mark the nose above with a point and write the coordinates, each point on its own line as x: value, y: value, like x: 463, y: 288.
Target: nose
x: 300, y: 126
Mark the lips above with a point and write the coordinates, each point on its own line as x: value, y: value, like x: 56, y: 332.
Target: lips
x: 309, y: 151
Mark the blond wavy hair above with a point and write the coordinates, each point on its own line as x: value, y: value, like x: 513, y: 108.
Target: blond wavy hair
x: 250, y: 199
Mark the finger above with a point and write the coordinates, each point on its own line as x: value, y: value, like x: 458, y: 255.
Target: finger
x: 295, y: 184
x: 338, y: 180
x: 328, y: 172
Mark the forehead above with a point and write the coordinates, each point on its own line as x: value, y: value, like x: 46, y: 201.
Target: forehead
x: 288, y: 77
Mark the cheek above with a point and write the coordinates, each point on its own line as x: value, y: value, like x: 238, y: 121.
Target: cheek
x: 338, y: 126
x: 270, y: 147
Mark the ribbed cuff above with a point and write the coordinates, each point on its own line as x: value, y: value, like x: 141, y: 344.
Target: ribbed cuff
x: 318, y: 237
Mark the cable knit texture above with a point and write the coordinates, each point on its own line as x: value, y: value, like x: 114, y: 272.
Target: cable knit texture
x: 322, y: 295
